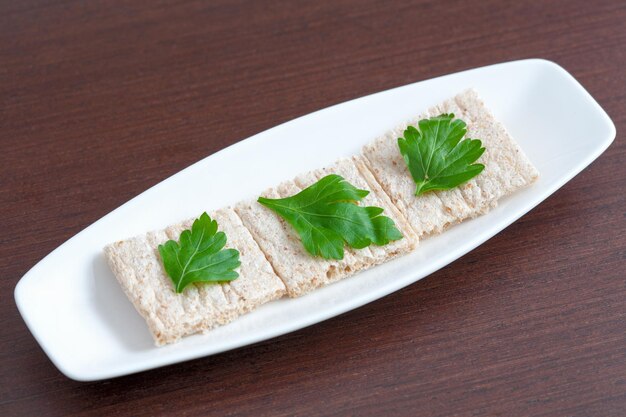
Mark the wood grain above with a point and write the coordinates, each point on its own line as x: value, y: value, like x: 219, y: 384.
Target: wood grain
x: 100, y: 100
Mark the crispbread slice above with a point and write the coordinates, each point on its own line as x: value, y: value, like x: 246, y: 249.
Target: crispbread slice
x: 301, y: 272
x: 508, y: 165
x: 261, y: 284
x: 335, y: 269
x: 427, y: 214
x: 506, y: 169
x: 199, y: 308
x: 354, y: 171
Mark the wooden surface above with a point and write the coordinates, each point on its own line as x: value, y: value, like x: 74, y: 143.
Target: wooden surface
x: 100, y: 100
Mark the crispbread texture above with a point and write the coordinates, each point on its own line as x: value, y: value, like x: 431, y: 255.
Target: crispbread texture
x: 301, y: 272
x: 137, y: 266
x: 507, y: 169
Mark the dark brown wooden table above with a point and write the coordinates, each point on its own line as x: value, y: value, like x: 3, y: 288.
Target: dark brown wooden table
x: 100, y: 100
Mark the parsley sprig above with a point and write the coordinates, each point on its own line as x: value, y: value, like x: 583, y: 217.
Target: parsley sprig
x: 436, y: 155
x: 325, y: 216
x: 199, y: 256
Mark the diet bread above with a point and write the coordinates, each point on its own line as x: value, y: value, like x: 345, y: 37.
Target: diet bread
x: 137, y: 265
x: 301, y: 272
x: 354, y: 171
x: 507, y: 169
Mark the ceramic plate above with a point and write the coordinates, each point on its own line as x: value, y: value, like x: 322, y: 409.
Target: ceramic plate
x: 75, y: 309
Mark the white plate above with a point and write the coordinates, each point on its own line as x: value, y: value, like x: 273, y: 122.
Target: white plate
x: 74, y: 307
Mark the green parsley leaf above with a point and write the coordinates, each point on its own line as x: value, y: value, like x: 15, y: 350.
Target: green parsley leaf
x: 326, y: 215
x: 437, y: 157
x: 199, y: 257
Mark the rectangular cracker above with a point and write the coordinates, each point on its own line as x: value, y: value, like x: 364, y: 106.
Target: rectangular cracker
x: 301, y: 272
x: 354, y: 171
x: 507, y: 169
x: 505, y: 163
x: 137, y: 266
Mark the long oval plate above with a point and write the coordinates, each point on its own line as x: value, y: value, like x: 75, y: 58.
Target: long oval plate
x: 76, y: 310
